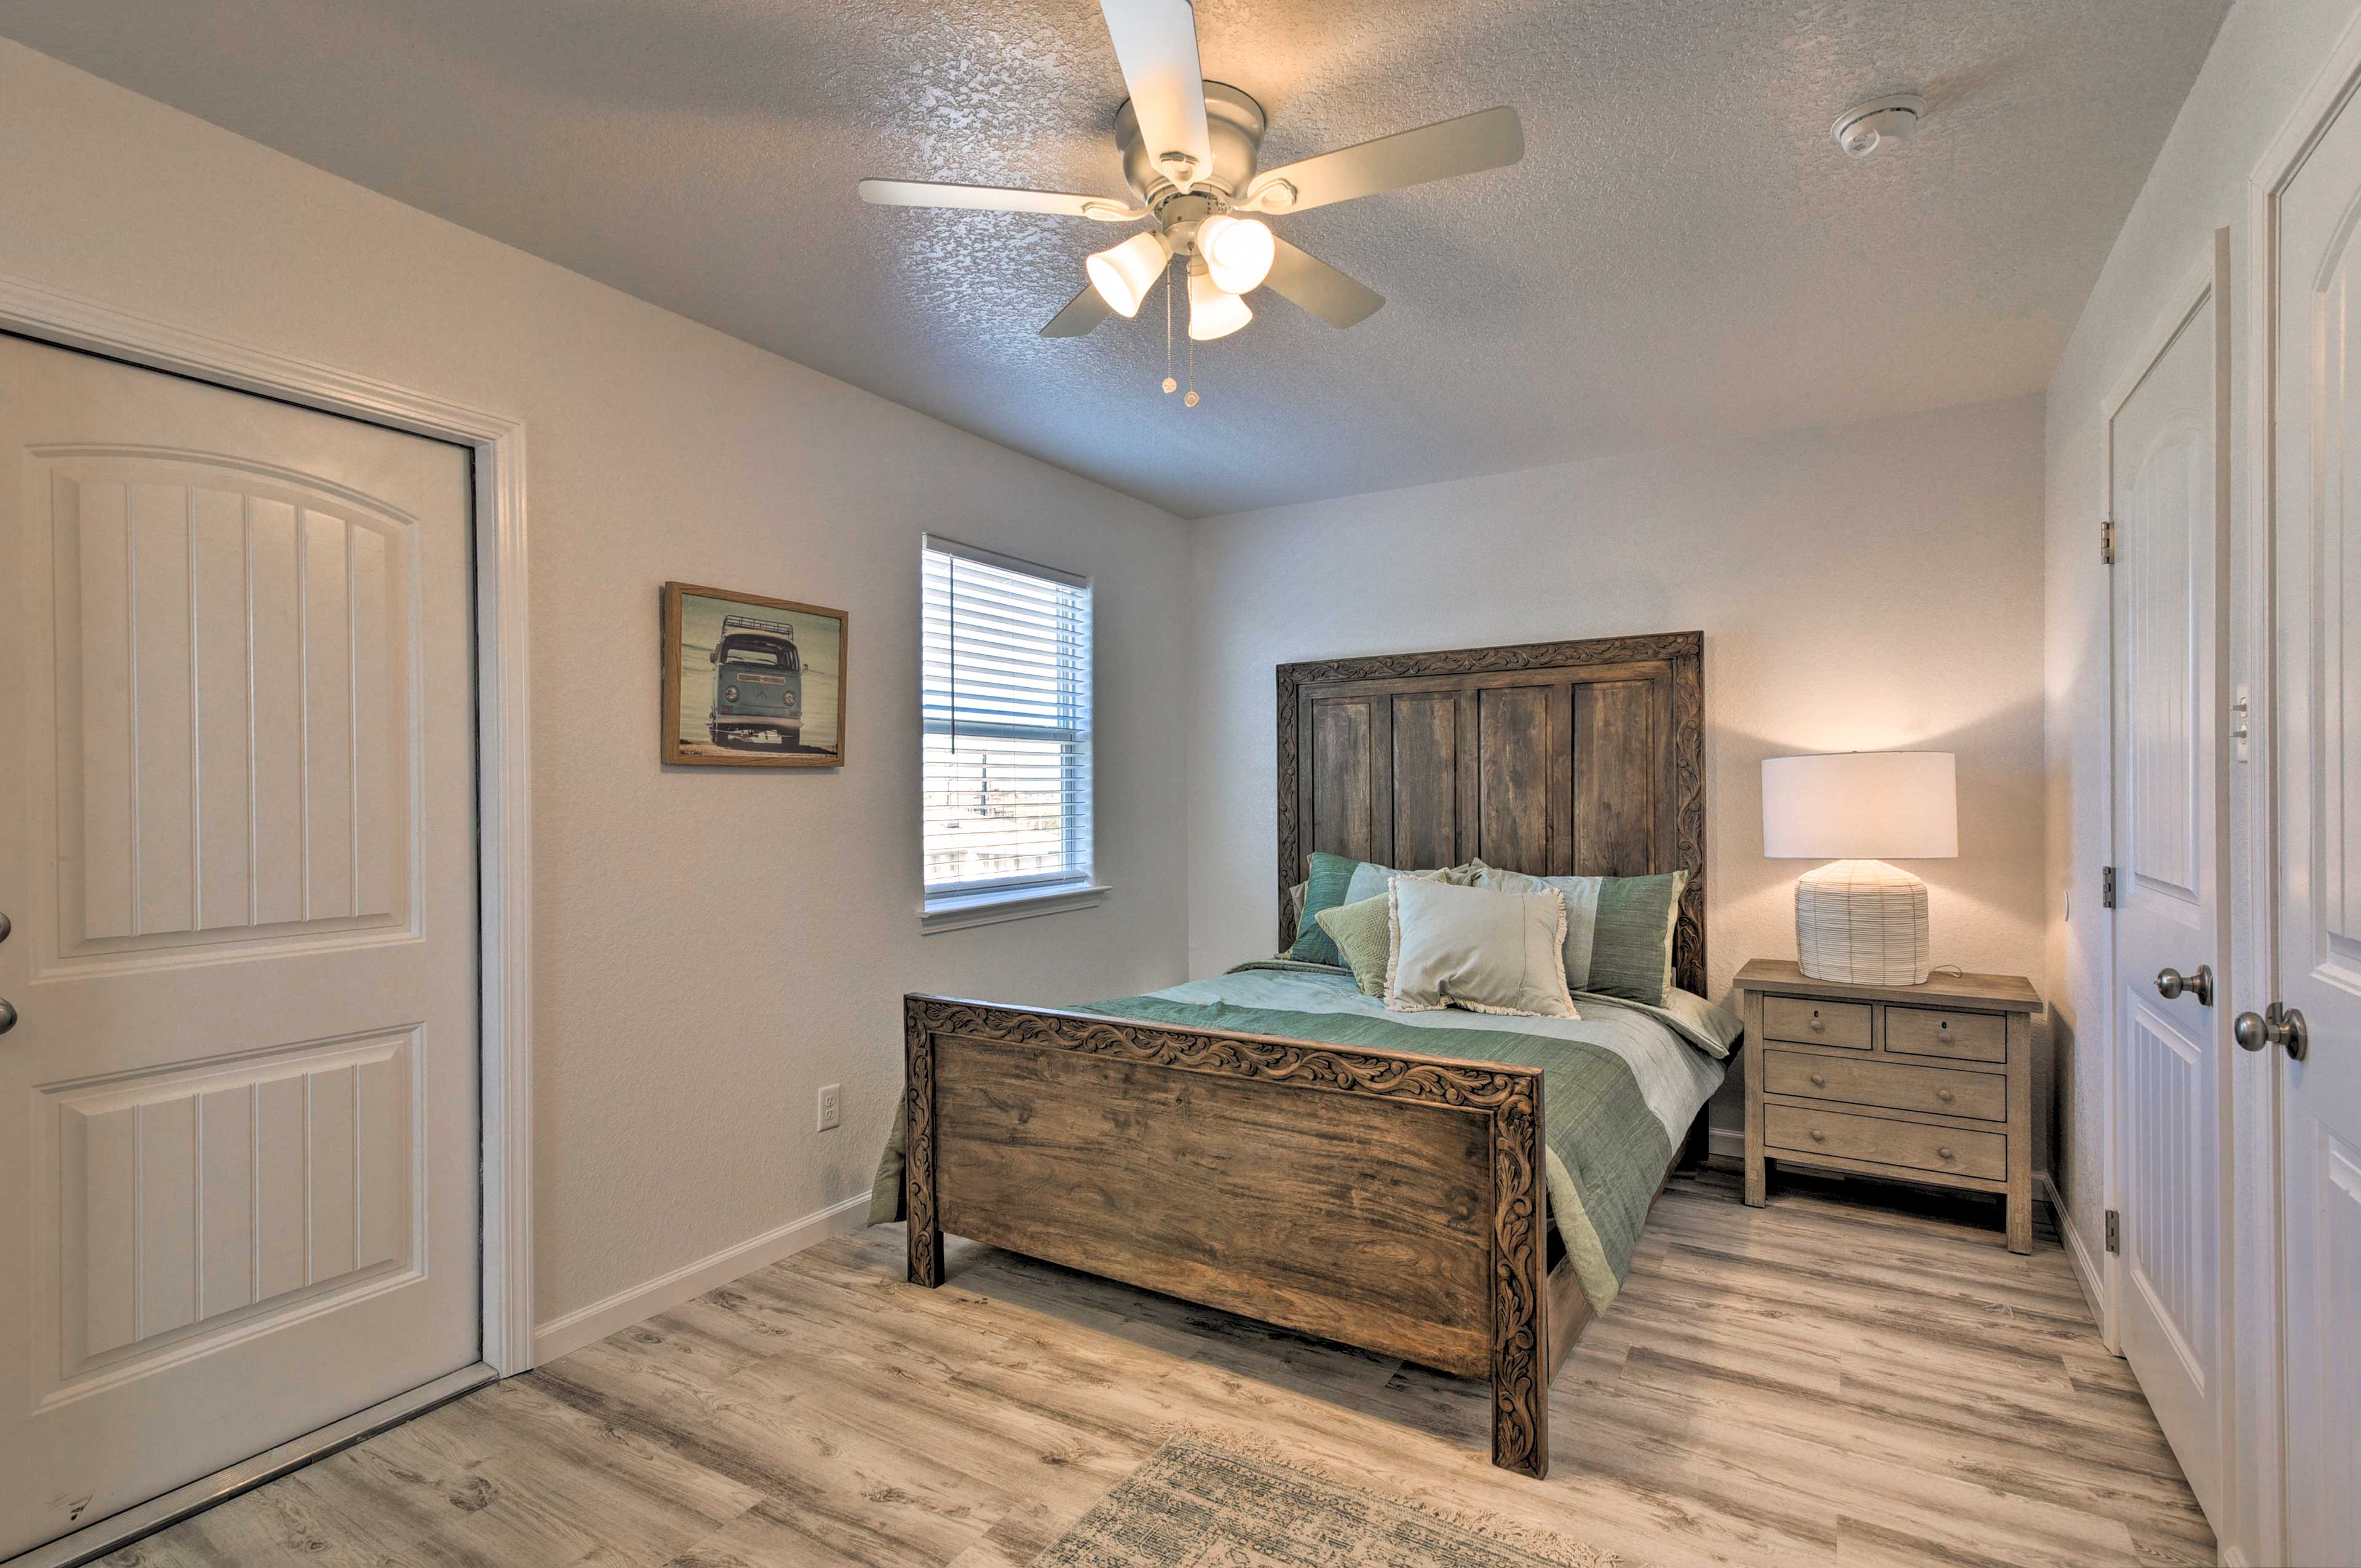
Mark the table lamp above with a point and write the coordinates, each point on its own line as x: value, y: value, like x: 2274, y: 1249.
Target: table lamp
x: 1860, y: 919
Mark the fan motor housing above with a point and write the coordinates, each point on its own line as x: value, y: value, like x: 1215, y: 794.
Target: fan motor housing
x: 1233, y: 125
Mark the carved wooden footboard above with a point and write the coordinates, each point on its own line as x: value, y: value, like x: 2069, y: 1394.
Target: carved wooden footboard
x: 1389, y: 1202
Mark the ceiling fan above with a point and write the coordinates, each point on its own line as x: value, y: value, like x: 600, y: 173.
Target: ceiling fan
x: 1188, y: 148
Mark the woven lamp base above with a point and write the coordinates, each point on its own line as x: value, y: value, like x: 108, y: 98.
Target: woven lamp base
x: 1862, y: 921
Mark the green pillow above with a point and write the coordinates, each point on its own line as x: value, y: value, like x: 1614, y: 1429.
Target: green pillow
x: 1363, y: 934
x: 1619, y: 929
x: 1338, y: 880
x: 1331, y: 874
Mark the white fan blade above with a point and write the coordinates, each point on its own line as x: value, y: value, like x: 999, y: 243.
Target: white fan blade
x: 1082, y: 312
x: 1334, y: 298
x: 993, y: 199
x: 1156, y: 44
x: 1469, y: 145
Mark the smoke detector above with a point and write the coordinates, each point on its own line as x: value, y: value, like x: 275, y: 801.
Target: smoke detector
x: 1882, y: 122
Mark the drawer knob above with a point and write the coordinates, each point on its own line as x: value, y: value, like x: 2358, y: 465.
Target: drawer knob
x: 1818, y: 1136
x: 1817, y: 1022
x: 1819, y: 1082
x: 1945, y: 1152
x: 1945, y: 1095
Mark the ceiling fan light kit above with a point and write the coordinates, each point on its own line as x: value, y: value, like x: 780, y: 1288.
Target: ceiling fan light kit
x: 1188, y: 148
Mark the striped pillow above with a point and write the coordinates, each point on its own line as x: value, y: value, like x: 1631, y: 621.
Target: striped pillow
x: 1619, y: 929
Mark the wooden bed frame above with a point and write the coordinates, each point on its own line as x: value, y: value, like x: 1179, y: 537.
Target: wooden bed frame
x: 1384, y: 1200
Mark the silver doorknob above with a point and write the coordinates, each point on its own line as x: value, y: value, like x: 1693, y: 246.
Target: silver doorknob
x: 7, y: 1014
x: 2274, y: 1025
x: 2172, y: 983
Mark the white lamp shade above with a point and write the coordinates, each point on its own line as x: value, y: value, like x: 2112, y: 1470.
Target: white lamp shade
x: 1123, y: 274
x: 1213, y: 312
x: 1862, y: 806
x: 1238, y: 251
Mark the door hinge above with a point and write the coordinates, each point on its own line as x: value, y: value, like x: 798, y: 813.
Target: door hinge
x: 2107, y: 542
x: 2115, y: 1231
x: 2106, y: 887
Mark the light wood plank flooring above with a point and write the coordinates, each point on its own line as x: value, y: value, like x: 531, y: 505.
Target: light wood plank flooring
x: 1829, y: 1380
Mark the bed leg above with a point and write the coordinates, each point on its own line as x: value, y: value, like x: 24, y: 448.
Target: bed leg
x: 1698, y: 1146
x: 926, y: 1231
x: 1521, y: 1326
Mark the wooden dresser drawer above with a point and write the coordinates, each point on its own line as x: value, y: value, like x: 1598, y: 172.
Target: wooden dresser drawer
x: 1814, y: 1023
x: 1949, y: 1150
x: 1932, y: 1032
x: 1946, y: 1092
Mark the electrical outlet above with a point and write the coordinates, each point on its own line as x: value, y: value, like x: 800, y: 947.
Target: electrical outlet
x: 831, y: 1105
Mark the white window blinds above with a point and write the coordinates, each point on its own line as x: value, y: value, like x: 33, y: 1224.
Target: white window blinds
x: 1006, y: 698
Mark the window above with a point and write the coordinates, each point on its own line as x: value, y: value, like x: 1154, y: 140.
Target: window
x: 1006, y: 679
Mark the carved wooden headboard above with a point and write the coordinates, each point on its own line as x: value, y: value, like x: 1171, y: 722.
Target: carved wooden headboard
x: 1559, y: 759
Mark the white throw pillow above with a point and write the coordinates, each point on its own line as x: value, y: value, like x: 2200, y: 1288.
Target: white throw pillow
x: 1476, y: 948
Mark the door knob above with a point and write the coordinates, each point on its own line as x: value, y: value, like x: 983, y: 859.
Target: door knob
x: 7, y: 1014
x: 2172, y: 983
x: 2275, y: 1026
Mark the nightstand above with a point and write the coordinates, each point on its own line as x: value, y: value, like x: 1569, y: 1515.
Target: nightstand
x: 1929, y: 1083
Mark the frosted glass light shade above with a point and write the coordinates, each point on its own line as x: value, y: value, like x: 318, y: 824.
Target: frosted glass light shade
x: 1123, y: 273
x: 1213, y: 312
x: 1237, y: 251
x: 1862, y: 806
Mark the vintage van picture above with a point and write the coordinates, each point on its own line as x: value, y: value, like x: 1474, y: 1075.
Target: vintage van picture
x: 751, y: 681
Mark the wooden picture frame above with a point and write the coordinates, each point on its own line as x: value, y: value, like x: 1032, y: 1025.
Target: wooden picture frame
x: 786, y: 708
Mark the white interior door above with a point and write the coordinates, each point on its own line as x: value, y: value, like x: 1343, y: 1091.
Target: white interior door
x: 238, y: 1115
x: 2315, y: 445
x: 2167, y: 438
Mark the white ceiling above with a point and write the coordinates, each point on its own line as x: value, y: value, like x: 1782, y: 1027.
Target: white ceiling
x: 1683, y: 254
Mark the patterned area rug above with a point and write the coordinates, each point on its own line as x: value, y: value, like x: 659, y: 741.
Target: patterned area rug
x: 1200, y: 1503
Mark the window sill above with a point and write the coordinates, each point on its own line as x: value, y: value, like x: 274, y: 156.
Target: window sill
x: 1017, y: 904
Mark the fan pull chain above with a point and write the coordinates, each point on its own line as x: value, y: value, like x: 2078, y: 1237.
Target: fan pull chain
x: 1170, y: 384
x: 1191, y: 399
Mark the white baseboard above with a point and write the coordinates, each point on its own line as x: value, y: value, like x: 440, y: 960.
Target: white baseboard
x: 1729, y: 1142
x: 2086, y: 1268
x: 621, y: 1311
x: 2232, y: 1558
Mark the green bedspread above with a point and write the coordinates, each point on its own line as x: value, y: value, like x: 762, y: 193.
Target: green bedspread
x: 1620, y: 1084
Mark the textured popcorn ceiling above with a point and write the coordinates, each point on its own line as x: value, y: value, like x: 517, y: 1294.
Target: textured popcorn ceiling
x: 1682, y: 255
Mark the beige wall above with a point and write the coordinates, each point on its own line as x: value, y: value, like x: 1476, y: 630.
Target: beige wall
x: 676, y: 1062
x: 1865, y: 587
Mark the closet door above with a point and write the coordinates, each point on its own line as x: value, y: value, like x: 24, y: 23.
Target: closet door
x: 2315, y: 457
x: 2167, y: 432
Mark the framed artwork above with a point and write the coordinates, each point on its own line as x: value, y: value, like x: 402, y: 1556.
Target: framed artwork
x: 751, y: 681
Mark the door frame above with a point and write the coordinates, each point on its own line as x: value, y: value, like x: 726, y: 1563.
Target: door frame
x: 2260, y: 1386
x: 503, y: 732
x: 2208, y: 278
